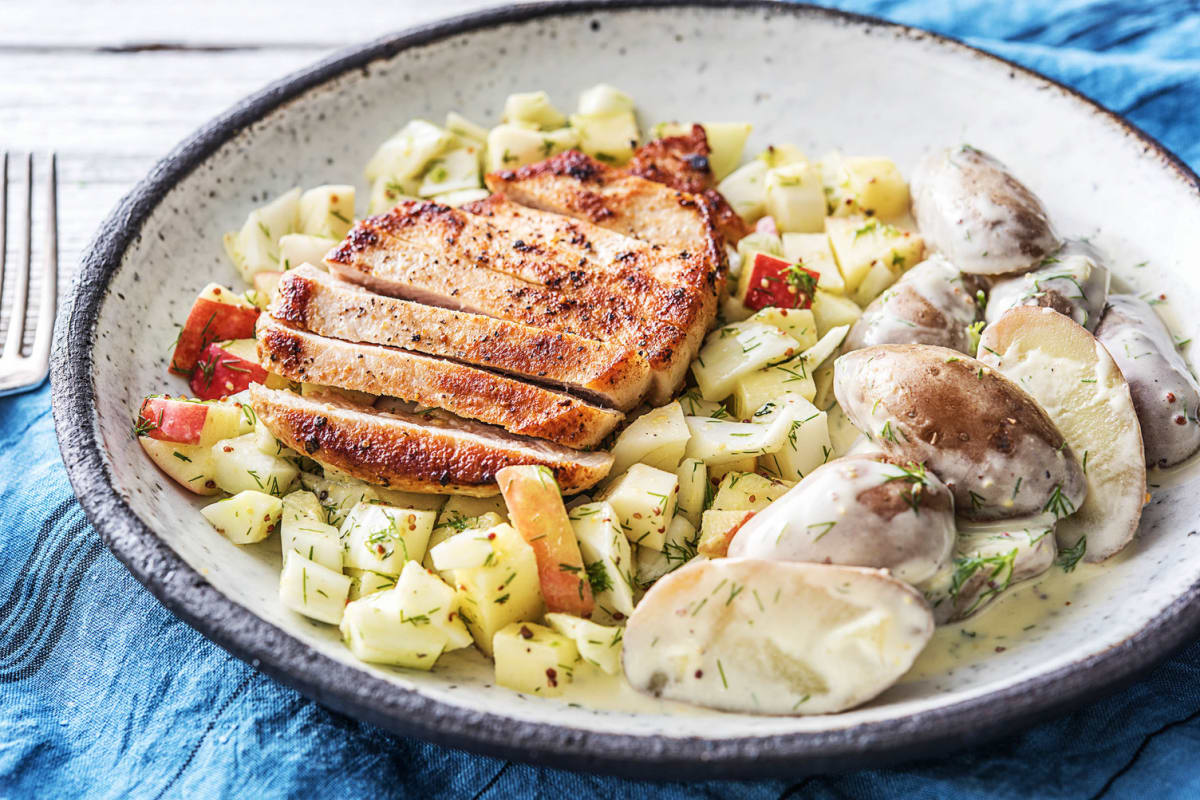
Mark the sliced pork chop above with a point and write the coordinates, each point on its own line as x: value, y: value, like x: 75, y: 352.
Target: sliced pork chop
x: 516, y: 406
x: 420, y: 452
x: 681, y: 162
x: 447, y: 257
x: 314, y: 300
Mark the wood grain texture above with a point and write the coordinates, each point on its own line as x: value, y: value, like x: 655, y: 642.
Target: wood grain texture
x: 113, y: 87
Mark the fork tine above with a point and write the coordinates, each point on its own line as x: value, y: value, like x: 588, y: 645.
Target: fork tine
x: 49, y: 302
x: 16, y: 320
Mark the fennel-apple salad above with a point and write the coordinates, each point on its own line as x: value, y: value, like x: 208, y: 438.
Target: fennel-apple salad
x: 627, y: 412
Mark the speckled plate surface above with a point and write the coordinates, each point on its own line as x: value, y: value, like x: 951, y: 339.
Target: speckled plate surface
x: 817, y: 78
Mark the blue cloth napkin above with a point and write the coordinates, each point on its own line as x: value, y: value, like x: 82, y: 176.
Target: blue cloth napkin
x: 103, y: 693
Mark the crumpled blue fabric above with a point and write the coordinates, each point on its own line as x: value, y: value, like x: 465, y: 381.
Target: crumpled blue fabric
x: 103, y: 693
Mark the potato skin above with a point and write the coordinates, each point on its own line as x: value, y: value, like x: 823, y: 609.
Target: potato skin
x: 933, y: 303
x: 1073, y: 282
x: 1165, y: 394
x: 858, y: 511
x: 970, y: 208
x: 989, y: 441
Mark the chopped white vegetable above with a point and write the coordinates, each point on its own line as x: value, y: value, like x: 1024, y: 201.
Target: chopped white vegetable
x: 311, y: 589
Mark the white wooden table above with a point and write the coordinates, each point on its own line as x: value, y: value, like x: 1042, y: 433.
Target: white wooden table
x: 113, y: 86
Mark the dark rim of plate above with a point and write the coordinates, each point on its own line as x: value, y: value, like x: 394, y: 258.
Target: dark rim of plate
x: 180, y: 588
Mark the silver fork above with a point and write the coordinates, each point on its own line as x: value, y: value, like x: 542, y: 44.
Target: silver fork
x: 20, y: 373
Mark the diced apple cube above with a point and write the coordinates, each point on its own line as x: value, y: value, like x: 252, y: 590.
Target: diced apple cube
x: 876, y: 281
x: 859, y: 244
x: 717, y: 472
x: 327, y: 211
x: 717, y: 530
x: 599, y: 645
x: 409, y: 625
x: 192, y: 422
x: 388, y: 192
x: 406, y: 154
x: 657, y: 438
x: 797, y: 323
x: 313, y: 590
x: 604, y: 99
x: 877, y: 186
x: 384, y: 538
x: 778, y: 155
x: 189, y: 465
x: 744, y: 190
x: 832, y: 310
x: 300, y: 248
x: 338, y: 497
x: 216, y: 315
x: 536, y: 507
x: 364, y: 582
x: 512, y: 146
x: 448, y: 530
x: 534, y: 659
x: 610, y: 138
x: 533, y: 108
x: 315, y: 541
x: 772, y: 281
x: 812, y: 251
x: 644, y: 499
x: 807, y: 447
x: 245, y: 518
x: 747, y: 491
x: 240, y: 465
x: 693, y: 490
x: 719, y: 442
x: 607, y: 557
x: 464, y: 550
x: 736, y: 350
x: 794, y: 197
x: 503, y: 591
x: 464, y: 128
x: 220, y: 373
x: 454, y: 170
x: 758, y: 388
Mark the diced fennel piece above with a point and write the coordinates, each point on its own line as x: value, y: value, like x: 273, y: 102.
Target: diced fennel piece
x: 461, y: 506
x: 644, y: 499
x: 337, y: 497
x: 364, y: 582
x: 717, y: 441
x: 255, y: 248
x: 758, y: 388
x: 388, y: 192
x: 779, y: 155
x: 533, y: 108
x: 694, y: 405
x: 759, y: 242
x: 461, y: 197
x: 607, y: 557
x: 599, y: 645
x: 505, y: 590
x: 510, y: 146
x: 693, y: 490
x: 409, y: 625
x: 807, y: 445
x: 657, y: 438
x: 680, y: 547
x: 315, y: 541
x: 610, y: 138
x: 300, y: 248
x: 797, y: 323
x: 736, y: 350
x: 794, y: 197
x: 812, y: 251
x: 878, y: 278
x: 464, y: 128
x: 407, y: 153
x: 453, y: 171
x: 833, y: 310
x: 190, y: 465
x: 245, y: 518
x: 825, y: 347
x: 312, y: 589
x: 744, y: 190
x: 604, y: 99
x: 447, y: 530
x: 327, y: 211
x: 239, y: 465
x: 384, y: 538
x: 534, y: 659
x: 464, y: 550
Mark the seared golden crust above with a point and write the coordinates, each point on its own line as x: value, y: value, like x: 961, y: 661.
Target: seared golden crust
x: 516, y: 406
x: 415, y: 452
x: 317, y: 301
x: 680, y: 162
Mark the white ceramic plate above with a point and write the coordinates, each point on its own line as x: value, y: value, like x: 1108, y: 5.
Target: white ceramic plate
x: 816, y: 78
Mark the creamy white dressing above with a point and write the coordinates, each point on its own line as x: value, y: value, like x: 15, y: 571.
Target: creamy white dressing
x: 895, y: 316
x: 1073, y: 281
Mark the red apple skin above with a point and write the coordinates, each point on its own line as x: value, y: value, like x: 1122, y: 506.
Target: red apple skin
x: 211, y: 321
x: 768, y: 284
x: 536, y: 508
x: 171, y: 420
x: 219, y: 373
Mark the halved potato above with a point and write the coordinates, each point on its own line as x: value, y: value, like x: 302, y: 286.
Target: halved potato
x: 981, y: 433
x: 1079, y: 385
x: 774, y: 638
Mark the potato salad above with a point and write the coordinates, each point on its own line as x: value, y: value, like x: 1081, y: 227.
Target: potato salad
x: 892, y: 399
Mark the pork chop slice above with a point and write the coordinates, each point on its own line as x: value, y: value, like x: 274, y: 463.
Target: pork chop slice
x: 421, y: 452
x: 608, y: 372
x: 516, y: 406
x: 447, y: 257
